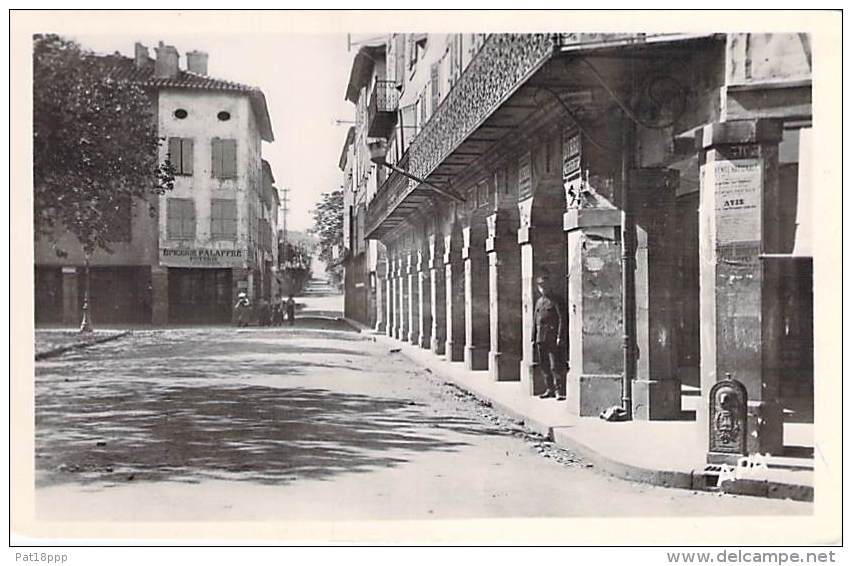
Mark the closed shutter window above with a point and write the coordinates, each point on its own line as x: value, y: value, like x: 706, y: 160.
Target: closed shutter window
x: 400, y: 58
x: 180, y: 155
x: 223, y: 219
x: 436, y: 86
x: 224, y: 153
x: 180, y: 218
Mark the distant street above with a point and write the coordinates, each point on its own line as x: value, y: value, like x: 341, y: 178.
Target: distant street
x: 269, y: 423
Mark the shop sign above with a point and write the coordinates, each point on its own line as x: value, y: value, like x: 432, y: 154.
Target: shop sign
x: 525, y: 176
x: 571, y: 154
x: 202, y: 257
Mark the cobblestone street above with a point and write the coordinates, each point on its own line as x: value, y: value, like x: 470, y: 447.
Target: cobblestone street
x: 220, y: 424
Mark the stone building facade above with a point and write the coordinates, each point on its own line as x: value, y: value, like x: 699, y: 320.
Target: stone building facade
x: 363, y: 257
x: 213, y: 234
x: 658, y: 179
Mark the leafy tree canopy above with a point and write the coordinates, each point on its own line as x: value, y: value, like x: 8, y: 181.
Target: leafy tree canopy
x: 95, y: 145
x: 328, y: 226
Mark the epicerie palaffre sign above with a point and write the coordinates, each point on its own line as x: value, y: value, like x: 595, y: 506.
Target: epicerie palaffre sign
x: 202, y: 257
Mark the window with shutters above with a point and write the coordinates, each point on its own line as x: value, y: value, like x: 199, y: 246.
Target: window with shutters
x: 410, y: 50
x: 424, y: 106
x: 180, y: 155
x: 224, y: 164
x: 223, y: 219
x: 436, y: 86
x: 399, y: 57
x: 180, y: 218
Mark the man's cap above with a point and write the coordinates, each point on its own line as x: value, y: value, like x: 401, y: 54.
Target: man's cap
x: 242, y: 295
x: 542, y: 279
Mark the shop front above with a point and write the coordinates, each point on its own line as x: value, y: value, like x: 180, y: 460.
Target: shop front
x: 202, y: 283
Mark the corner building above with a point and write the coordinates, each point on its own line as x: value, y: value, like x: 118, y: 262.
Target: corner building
x: 660, y: 180
x: 212, y: 235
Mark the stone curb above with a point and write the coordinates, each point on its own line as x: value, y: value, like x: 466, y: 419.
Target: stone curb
x: 695, y: 480
x: 58, y: 351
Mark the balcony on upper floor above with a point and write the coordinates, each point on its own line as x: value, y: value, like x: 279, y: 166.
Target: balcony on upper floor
x: 381, y: 111
x: 494, y: 97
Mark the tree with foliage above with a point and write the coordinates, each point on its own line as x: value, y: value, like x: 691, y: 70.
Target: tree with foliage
x: 95, y: 149
x: 296, y: 266
x: 328, y: 226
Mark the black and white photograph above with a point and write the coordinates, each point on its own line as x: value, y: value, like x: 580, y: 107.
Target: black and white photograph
x: 419, y: 267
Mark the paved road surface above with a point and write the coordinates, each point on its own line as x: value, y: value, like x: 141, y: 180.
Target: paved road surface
x: 277, y: 424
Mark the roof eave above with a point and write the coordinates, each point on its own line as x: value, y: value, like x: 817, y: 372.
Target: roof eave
x: 261, y: 112
x: 362, y: 66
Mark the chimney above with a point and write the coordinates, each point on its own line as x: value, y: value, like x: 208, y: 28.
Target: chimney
x: 196, y: 62
x: 141, y: 56
x: 167, y: 62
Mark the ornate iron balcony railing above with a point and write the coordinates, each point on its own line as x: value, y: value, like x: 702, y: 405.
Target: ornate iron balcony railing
x: 502, y: 65
x: 381, y: 111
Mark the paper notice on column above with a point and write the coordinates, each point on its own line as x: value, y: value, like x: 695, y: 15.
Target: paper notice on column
x: 738, y: 200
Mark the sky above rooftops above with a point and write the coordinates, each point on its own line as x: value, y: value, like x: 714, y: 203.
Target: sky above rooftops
x: 304, y: 78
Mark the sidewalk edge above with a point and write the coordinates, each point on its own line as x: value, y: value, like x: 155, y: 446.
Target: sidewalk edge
x: 58, y: 351
x: 693, y: 480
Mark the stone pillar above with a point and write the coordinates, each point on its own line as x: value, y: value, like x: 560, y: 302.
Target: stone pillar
x: 70, y: 296
x: 424, y: 294
x: 393, y: 300
x: 402, y: 285
x: 437, y: 287
x: 413, y: 306
x: 389, y: 297
x: 476, y: 309
x: 160, y: 295
x: 739, y: 301
x: 504, y: 296
x: 454, y: 295
x: 381, y: 296
x: 656, y: 389
x: 594, y: 308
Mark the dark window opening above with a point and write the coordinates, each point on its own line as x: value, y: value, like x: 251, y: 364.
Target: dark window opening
x: 224, y: 116
x: 180, y: 114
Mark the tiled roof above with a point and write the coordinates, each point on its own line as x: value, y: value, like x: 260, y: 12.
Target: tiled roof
x: 124, y: 68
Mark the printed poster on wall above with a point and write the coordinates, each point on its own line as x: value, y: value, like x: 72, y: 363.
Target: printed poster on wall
x: 738, y: 185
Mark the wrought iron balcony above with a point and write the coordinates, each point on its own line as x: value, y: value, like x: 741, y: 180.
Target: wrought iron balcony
x: 501, y: 66
x: 498, y: 71
x: 381, y: 112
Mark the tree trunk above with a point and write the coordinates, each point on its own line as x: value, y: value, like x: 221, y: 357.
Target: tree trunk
x: 86, y: 323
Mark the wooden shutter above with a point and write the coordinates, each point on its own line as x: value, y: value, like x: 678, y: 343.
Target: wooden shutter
x: 186, y: 156
x: 400, y: 58
x: 223, y: 219
x: 436, y: 85
x: 172, y: 218
x: 216, y: 154
x: 229, y: 159
x: 216, y: 230
x: 230, y: 218
x: 188, y: 219
x: 174, y: 154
